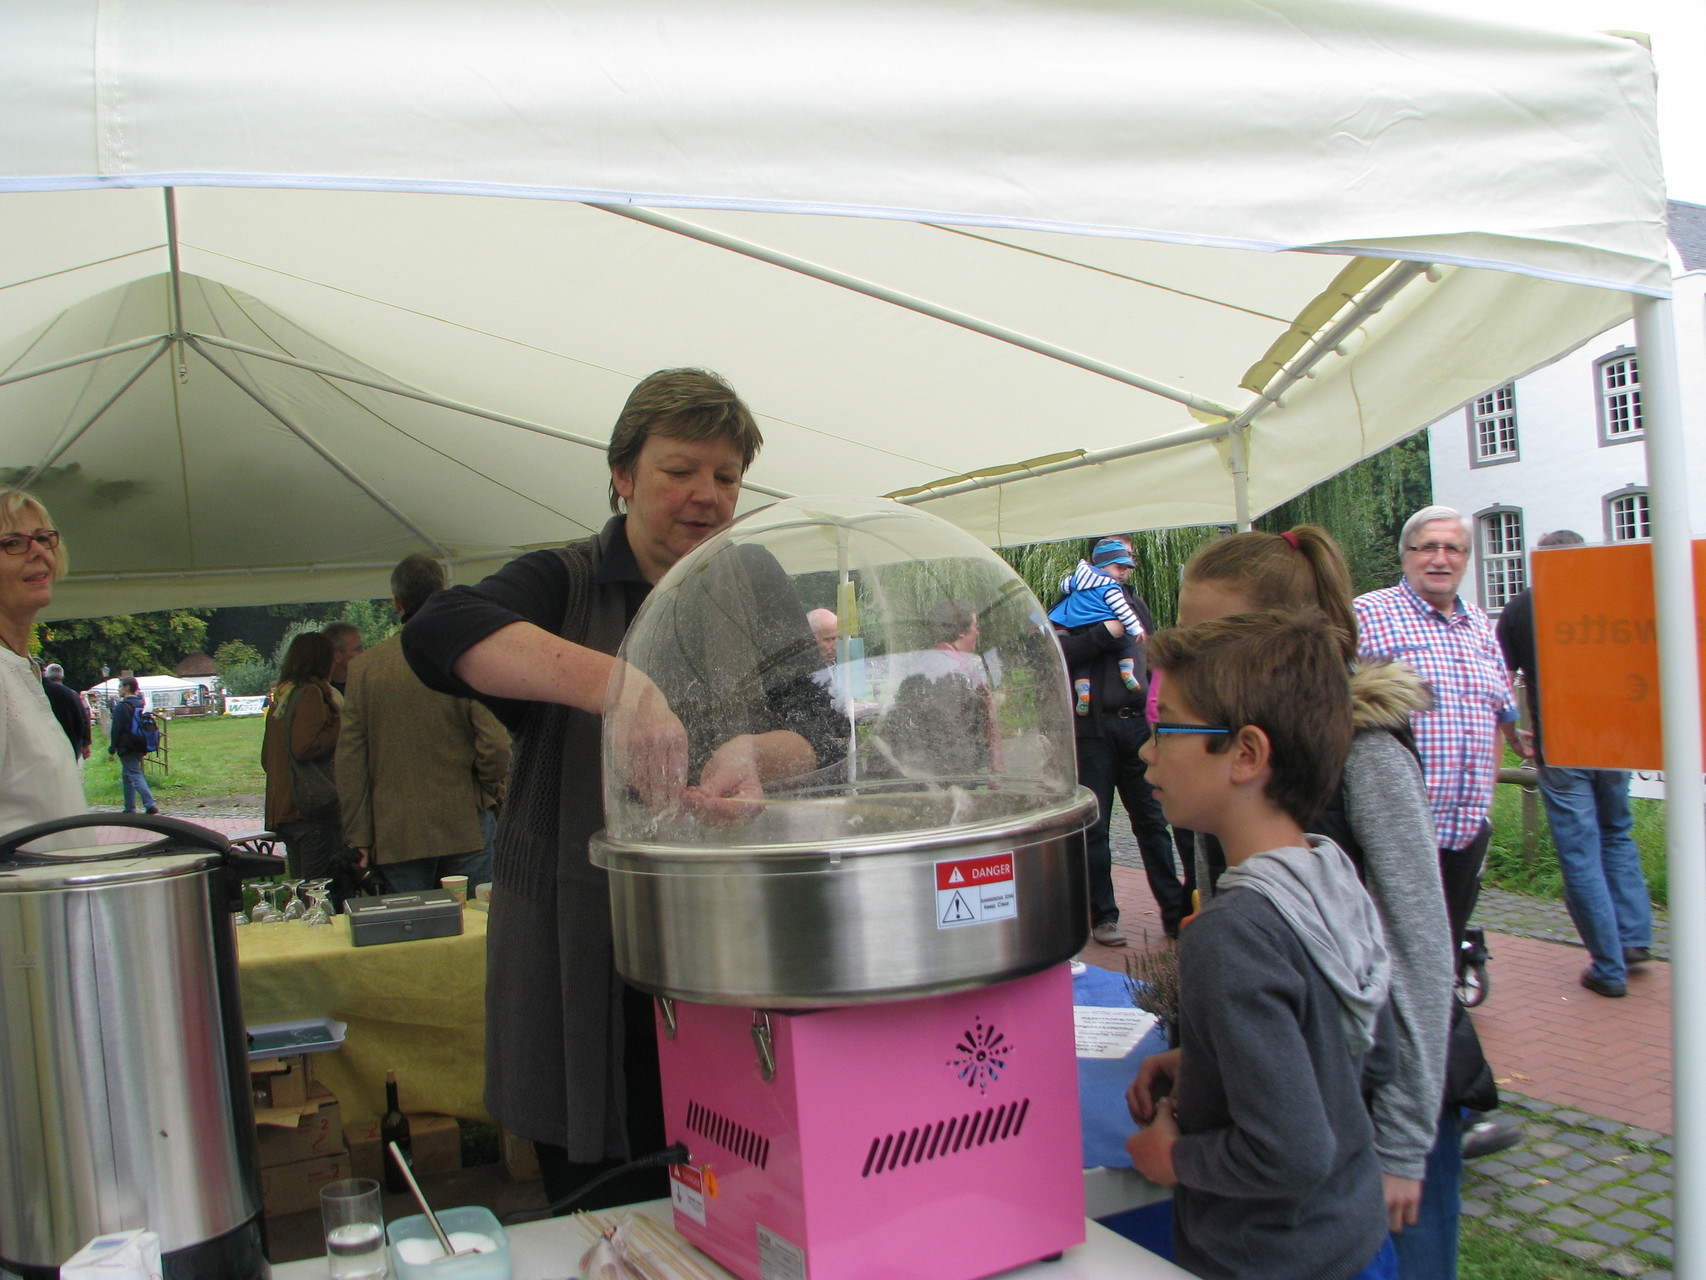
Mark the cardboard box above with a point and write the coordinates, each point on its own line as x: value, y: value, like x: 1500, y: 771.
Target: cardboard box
x: 295, y: 1188
x: 286, y: 1135
x: 520, y: 1162
x: 435, y: 1145
x: 282, y: 1082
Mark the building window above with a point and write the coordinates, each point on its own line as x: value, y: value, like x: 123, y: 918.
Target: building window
x: 1492, y: 427
x: 1619, y: 379
x: 1626, y: 516
x: 1502, y: 573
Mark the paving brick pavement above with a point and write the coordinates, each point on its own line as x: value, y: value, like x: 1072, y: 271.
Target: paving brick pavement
x: 1588, y: 1079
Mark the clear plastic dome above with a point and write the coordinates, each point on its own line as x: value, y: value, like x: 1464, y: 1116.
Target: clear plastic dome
x: 846, y: 670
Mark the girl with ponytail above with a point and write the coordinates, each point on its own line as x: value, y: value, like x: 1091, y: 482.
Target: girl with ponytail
x: 1380, y: 817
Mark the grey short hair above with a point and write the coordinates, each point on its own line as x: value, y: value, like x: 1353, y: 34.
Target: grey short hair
x: 1427, y: 514
x: 340, y: 631
x: 53, y: 671
x: 1562, y: 538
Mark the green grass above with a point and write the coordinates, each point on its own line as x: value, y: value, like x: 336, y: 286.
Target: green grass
x: 1508, y: 869
x: 1484, y: 1253
x: 208, y: 758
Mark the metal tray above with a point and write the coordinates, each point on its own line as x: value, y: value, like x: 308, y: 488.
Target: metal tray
x: 305, y: 1035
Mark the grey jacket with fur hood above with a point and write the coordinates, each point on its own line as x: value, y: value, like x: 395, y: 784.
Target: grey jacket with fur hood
x: 1386, y: 806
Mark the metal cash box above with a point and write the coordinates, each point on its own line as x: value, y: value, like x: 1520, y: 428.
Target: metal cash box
x: 400, y: 917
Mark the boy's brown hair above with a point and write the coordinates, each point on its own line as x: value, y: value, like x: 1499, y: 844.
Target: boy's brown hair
x: 1281, y: 671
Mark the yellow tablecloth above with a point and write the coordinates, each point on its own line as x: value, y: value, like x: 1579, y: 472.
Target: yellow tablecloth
x: 417, y: 1008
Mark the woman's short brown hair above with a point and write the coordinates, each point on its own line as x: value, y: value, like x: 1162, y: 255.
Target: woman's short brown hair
x: 1282, y: 671
x: 686, y: 404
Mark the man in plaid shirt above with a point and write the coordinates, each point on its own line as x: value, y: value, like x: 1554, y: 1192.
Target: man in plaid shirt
x: 1423, y: 623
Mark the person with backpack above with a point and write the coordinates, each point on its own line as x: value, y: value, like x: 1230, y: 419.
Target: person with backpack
x: 133, y: 723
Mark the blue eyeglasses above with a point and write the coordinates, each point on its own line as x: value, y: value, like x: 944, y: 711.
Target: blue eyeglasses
x: 1163, y: 727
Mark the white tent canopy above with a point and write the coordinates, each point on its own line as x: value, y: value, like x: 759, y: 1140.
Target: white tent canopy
x: 1020, y: 260
x: 446, y: 202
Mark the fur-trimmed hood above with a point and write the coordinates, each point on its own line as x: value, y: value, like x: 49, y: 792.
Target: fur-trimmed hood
x: 1383, y: 694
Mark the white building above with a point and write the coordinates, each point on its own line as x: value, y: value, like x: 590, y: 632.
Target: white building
x: 1560, y: 448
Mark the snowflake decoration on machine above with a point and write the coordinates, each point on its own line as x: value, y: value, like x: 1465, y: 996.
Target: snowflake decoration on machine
x: 982, y: 1054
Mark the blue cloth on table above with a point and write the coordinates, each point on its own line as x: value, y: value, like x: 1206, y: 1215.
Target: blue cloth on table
x: 1102, y: 1082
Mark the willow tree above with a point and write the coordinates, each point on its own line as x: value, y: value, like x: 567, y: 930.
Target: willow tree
x: 1364, y: 507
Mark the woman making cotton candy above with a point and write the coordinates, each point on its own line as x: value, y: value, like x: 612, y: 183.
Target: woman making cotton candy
x: 571, y: 1056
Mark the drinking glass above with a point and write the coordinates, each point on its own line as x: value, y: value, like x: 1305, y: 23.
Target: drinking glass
x: 355, y: 1229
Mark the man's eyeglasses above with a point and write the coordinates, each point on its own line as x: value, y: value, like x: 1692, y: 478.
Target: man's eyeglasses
x: 1162, y: 727
x: 16, y: 544
x: 1434, y: 548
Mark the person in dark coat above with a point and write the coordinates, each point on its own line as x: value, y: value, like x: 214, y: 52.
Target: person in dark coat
x: 68, y: 708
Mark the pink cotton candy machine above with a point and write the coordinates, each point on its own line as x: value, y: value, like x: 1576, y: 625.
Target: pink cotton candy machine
x: 865, y: 1018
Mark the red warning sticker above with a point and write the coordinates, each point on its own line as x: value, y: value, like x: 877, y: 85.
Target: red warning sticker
x: 687, y: 1192
x: 975, y: 891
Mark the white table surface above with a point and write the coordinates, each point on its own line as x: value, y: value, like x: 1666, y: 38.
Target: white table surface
x: 551, y: 1250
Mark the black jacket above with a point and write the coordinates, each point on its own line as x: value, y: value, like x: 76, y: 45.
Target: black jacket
x: 1092, y: 648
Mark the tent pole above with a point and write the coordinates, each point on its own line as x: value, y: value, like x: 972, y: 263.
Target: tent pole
x: 426, y: 397
x: 1238, y: 456
x: 59, y: 450
x: 73, y: 361
x: 176, y: 272
x: 1685, y: 794
x: 1332, y: 338
x: 927, y: 493
x: 1236, y: 431
x: 326, y: 454
x: 664, y: 222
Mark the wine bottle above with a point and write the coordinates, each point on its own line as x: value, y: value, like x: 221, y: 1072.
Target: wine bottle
x: 393, y: 1127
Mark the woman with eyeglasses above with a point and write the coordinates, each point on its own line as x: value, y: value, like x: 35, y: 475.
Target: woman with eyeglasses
x: 38, y: 777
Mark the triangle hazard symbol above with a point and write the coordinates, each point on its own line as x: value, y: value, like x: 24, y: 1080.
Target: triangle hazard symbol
x: 954, y: 877
x: 957, y: 911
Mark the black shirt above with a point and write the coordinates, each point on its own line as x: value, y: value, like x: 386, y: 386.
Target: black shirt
x: 1516, y: 638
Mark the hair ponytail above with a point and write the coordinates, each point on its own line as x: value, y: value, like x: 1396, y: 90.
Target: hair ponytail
x: 1299, y: 569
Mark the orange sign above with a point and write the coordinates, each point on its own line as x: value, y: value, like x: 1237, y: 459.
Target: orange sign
x: 1597, y: 648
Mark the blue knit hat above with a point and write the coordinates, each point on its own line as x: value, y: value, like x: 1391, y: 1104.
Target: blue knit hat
x: 1110, y: 551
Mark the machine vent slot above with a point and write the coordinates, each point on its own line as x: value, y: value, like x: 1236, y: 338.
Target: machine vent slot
x: 897, y: 1150
x: 752, y: 1147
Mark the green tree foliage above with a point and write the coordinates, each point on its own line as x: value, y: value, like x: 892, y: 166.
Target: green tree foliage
x: 146, y: 643
x: 242, y: 670
x: 1363, y: 507
x: 375, y: 619
x: 234, y: 653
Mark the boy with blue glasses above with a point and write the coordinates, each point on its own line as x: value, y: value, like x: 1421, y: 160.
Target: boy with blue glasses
x: 1257, y: 1119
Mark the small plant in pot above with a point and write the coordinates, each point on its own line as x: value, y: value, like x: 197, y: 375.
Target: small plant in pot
x: 1154, y: 977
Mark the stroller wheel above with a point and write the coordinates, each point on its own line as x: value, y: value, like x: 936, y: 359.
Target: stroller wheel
x: 1472, y: 985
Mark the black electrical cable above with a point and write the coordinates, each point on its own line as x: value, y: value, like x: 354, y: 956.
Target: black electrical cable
x: 676, y: 1154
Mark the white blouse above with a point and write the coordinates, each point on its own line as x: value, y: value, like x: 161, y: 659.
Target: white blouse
x: 39, y: 778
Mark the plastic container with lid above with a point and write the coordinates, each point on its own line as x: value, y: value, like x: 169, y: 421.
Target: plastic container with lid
x: 846, y: 782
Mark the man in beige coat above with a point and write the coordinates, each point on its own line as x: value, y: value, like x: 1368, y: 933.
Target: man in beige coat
x: 420, y: 774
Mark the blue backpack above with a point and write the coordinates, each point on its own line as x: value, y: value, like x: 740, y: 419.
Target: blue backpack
x: 143, y: 732
x: 147, y: 730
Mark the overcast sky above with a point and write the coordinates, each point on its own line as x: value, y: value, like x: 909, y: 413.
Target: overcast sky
x: 1678, y: 31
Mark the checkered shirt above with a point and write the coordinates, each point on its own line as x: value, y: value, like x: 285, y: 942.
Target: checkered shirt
x: 1459, y: 658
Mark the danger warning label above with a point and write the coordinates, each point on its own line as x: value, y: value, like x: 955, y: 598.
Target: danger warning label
x: 975, y: 891
x: 687, y: 1192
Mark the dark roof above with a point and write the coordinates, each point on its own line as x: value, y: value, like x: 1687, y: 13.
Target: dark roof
x: 197, y: 664
x: 1688, y: 233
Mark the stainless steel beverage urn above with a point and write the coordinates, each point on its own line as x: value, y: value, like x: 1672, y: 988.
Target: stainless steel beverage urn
x: 124, y: 1090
